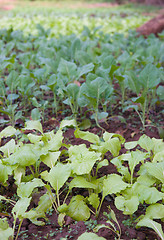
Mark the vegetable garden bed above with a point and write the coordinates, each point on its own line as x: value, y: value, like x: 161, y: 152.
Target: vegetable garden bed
x: 100, y: 170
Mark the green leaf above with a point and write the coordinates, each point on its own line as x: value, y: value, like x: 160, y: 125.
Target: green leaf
x: 20, y: 207
x: 58, y: 175
x: 61, y: 219
x: 68, y: 69
x: 88, y: 136
x: 82, y: 160
x: 94, y: 200
x: 81, y: 182
x: 148, y: 194
x: 113, y: 184
x: 85, y: 69
x: 146, y: 222
x: 156, y: 170
x: 130, y: 145
x: 102, y: 164
x: 5, y: 171
x: 85, y: 124
x: 77, y: 209
x: 56, y: 141
x: 155, y: 211
x: 135, y: 158
x: 63, y: 208
x: 68, y: 123
x: 35, y: 114
x: 45, y: 203
x: 7, y: 132
x: 5, y: 231
x: 149, y: 76
x: 90, y: 236
x: 51, y: 158
x: 159, y: 157
x: 34, y: 125
x: 24, y: 156
x: 128, y: 206
x: 8, y: 148
x: 146, y: 142
x: 24, y: 190
x: 34, y: 138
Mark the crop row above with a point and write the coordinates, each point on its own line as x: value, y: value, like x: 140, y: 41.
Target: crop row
x: 39, y: 72
x: 72, y: 23
x: 77, y: 166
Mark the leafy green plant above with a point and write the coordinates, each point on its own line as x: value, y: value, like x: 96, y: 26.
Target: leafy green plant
x: 144, y: 86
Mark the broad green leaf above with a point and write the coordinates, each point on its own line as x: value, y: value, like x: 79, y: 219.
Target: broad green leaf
x: 159, y: 157
x: 90, y: 236
x: 97, y: 87
x: 146, y: 222
x: 34, y: 125
x: 5, y: 171
x: 77, y: 209
x: 148, y: 194
x: 107, y: 136
x: 88, y: 136
x: 51, y: 158
x: 7, y: 132
x: 34, y: 138
x: 130, y: 145
x: 146, y: 180
x: 85, y: 69
x: 113, y: 145
x: 35, y: 114
x: 113, y: 184
x: 24, y: 190
x: 33, y: 216
x: 24, y: 156
x: 85, y: 124
x: 158, y: 145
x: 82, y: 160
x: 128, y: 206
x: 58, y: 175
x: 155, y: 211
x: 149, y: 76
x: 136, y: 157
x: 68, y: 69
x: 5, y: 231
x: 63, y: 208
x: 44, y: 204
x: 94, y: 200
x: 68, y: 123
x: 55, y: 142
x: 72, y: 91
x: 20, y: 207
x: 146, y: 142
x: 81, y: 182
x: 156, y: 170
x: 8, y: 148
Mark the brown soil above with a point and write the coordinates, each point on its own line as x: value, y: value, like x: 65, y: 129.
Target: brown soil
x: 130, y: 130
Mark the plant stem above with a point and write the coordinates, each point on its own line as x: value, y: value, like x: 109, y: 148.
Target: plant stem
x: 20, y: 224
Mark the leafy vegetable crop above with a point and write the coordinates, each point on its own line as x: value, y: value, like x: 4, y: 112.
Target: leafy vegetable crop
x: 77, y: 166
x: 78, y: 71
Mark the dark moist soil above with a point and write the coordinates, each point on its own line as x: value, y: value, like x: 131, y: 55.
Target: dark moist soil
x: 131, y: 130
